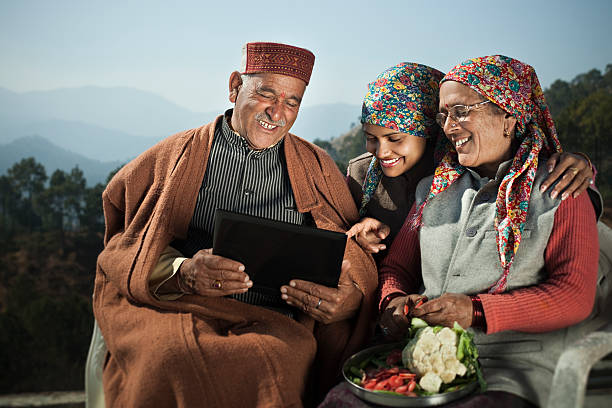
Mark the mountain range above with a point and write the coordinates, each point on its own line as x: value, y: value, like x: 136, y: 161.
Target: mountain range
x: 53, y: 157
x: 98, y: 128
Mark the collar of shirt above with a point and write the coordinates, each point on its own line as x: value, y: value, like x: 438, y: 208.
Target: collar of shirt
x: 236, y: 140
x: 499, y: 175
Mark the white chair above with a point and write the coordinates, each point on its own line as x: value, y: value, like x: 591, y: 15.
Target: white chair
x: 585, y: 360
x: 94, y: 393
x: 569, y: 386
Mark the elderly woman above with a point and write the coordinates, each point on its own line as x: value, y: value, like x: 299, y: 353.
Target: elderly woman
x: 496, y: 254
x: 399, y: 123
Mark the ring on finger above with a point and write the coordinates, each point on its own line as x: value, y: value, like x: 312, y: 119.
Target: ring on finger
x: 318, y: 303
x: 217, y: 284
x: 574, y: 170
x: 591, y: 181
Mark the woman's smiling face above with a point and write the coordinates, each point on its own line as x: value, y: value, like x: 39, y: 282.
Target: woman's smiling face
x: 397, y: 152
x: 479, y: 138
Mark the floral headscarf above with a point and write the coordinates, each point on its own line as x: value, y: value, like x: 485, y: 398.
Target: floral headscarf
x: 403, y: 98
x: 514, y: 87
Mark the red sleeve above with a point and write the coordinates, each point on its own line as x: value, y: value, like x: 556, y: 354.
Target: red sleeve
x: 567, y: 296
x: 400, y: 270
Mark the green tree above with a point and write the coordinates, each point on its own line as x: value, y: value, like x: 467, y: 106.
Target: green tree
x: 52, y: 202
x: 583, y: 117
x: 8, y: 207
x: 28, y: 179
x: 61, y: 204
x: 92, y: 218
x: 75, y: 193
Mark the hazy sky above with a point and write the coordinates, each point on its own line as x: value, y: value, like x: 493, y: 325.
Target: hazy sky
x: 185, y: 50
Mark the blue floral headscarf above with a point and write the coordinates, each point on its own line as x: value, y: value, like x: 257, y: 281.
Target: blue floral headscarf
x: 403, y: 98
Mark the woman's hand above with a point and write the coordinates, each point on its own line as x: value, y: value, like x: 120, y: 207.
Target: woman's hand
x: 322, y: 303
x: 211, y: 275
x: 446, y: 310
x: 574, y: 172
x: 369, y: 232
x: 393, y: 320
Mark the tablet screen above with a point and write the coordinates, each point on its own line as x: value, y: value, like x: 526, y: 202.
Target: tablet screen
x: 274, y: 252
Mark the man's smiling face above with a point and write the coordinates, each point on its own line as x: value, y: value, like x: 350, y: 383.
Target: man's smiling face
x: 266, y: 106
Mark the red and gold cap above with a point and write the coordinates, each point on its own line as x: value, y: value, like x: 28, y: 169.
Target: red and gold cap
x: 278, y: 59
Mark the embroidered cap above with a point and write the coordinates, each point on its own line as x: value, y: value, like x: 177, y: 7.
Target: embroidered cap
x: 278, y: 59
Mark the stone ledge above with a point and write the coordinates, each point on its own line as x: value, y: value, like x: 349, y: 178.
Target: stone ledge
x: 63, y: 399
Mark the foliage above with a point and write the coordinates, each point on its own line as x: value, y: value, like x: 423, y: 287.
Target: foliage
x: 582, y: 110
x: 29, y: 203
x: 50, y: 235
x: 344, y: 148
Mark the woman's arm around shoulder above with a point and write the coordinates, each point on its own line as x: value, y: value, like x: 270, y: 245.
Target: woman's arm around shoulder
x: 566, y: 297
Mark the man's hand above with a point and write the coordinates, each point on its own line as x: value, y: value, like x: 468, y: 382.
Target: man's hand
x: 574, y: 172
x: 369, y: 232
x: 324, y: 304
x: 211, y: 275
x: 446, y: 310
x: 394, y: 321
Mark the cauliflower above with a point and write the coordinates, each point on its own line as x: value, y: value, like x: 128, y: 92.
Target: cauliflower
x: 432, y: 356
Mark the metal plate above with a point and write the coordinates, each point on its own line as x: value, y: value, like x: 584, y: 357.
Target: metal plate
x: 391, y: 400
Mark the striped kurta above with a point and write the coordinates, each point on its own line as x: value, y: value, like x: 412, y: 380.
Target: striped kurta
x: 243, y: 180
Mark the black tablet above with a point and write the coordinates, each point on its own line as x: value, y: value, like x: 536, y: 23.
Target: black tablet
x: 274, y: 252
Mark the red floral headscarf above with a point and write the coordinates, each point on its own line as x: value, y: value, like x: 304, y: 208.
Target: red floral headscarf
x: 513, y: 86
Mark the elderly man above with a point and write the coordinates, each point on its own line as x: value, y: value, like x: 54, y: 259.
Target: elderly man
x: 184, y: 327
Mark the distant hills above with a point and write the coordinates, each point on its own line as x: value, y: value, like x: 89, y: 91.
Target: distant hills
x: 123, y: 109
x: 53, y: 157
x: 97, y: 128
x: 91, y: 141
x: 326, y: 121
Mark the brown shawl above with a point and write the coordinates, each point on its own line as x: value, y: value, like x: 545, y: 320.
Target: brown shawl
x: 205, y: 351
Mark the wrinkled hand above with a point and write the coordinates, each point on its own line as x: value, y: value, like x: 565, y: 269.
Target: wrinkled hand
x: 369, y: 232
x: 211, y: 275
x: 393, y: 321
x: 446, y: 310
x: 574, y: 172
x: 324, y: 304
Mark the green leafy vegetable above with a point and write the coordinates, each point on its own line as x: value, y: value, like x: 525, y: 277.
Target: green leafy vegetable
x: 468, y: 355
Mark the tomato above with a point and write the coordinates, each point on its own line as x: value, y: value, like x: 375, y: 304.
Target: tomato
x: 383, y: 385
x: 408, y: 375
x: 395, y: 378
x: 402, y: 389
x: 396, y: 381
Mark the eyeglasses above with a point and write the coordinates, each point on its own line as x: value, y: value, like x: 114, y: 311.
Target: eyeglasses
x: 458, y: 113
